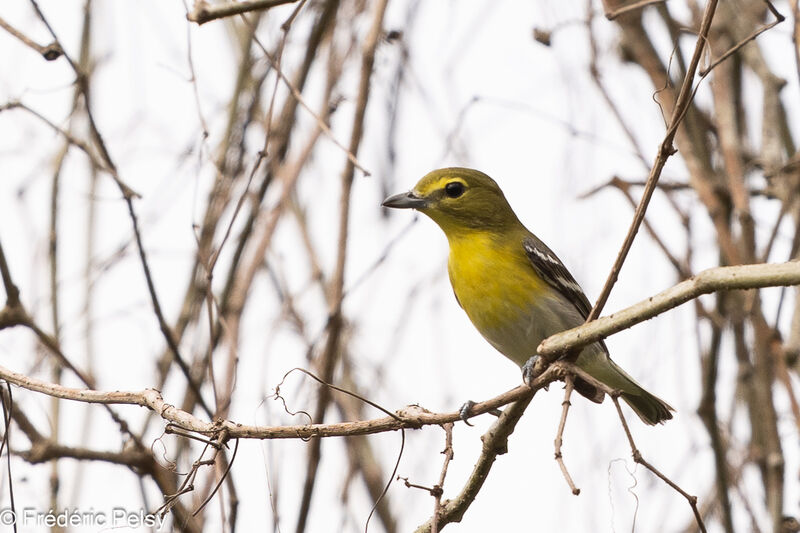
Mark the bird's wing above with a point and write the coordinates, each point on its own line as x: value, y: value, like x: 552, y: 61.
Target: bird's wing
x: 552, y: 270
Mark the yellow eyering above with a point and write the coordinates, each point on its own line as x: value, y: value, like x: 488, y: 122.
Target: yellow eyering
x: 430, y: 187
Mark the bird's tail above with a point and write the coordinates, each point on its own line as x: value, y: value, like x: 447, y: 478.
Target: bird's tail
x: 651, y: 409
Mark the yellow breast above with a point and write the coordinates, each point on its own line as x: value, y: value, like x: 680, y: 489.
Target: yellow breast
x: 497, y: 287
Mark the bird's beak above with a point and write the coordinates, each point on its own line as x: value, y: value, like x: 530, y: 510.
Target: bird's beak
x: 405, y: 200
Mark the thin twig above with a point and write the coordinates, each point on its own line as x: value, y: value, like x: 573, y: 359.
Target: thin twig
x: 665, y: 151
x: 162, y: 322
x: 204, y: 12
x: 735, y: 48
x: 594, y: 72
x: 568, y: 380
x: 796, y: 34
x: 611, y: 15
x: 12, y: 292
x: 50, y: 52
x: 624, y: 187
x: 330, y: 354
x: 8, y: 405
x: 637, y: 457
x: 221, y: 438
x: 71, y: 139
x: 83, y: 86
x: 495, y: 442
x: 298, y: 96
x: 438, y: 489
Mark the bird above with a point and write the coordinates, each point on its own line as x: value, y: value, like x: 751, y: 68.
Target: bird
x: 514, y: 289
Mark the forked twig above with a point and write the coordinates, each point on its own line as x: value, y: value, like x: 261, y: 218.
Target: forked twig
x: 735, y: 48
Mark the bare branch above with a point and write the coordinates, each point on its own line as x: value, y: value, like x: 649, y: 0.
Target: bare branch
x: 611, y: 15
x: 637, y: 457
x: 495, y: 442
x: 204, y: 12
x: 707, y: 281
x: 665, y: 151
x: 438, y: 488
x: 50, y: 52
x: 735, y: 48
x: 411, y: 417
x: 559, y: 435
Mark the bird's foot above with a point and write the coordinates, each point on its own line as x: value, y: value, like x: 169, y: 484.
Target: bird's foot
x: 531, y: 370
x: 463, y: 411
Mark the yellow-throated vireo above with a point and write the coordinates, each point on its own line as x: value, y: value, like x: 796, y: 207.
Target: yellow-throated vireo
x: 513, y: 288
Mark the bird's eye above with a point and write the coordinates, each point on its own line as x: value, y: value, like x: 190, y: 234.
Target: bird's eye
x: 454, y: 189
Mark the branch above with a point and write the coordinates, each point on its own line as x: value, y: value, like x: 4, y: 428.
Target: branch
x: 50, y: 52
x: 637, y: 457
x: 204, y: 12
x: 83, y: 87
x: 47, y: 450
x: 12, y: 292
x: 69, y: 137
x: 437, y: 492
x: 778, y: 19
x: 664, y: 152
x: 611, y: 15
x: 708, y: 281
x: 334, y: 345
x: 495, y: 442
x: 162, y: 322
x: 411, y: 417
x: 565, y: 405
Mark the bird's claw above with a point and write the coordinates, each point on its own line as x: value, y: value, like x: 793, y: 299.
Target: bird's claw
x: 530, y: 370
x: 463, y: 411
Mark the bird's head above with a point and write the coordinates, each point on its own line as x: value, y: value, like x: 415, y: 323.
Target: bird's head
x: 458, y: 199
